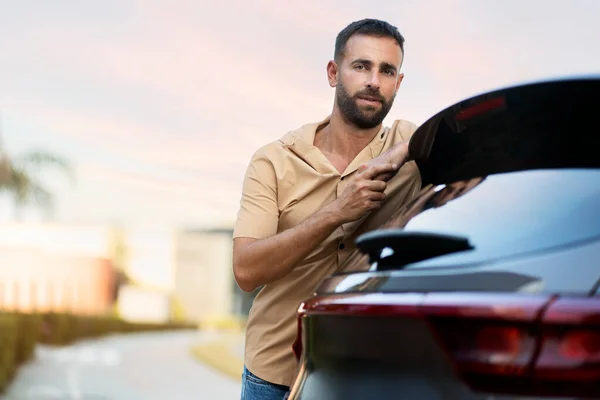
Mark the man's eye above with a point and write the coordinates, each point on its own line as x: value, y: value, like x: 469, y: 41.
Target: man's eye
x: 359, y: 66
x: 390, y: 72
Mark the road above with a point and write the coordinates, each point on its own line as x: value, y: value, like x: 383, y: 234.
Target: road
x: 149, y: 366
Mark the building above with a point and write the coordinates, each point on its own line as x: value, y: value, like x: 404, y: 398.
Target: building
x: 185, y: 273
x: 51, y: 267
x: 204, y: 283
x: 36, y: 280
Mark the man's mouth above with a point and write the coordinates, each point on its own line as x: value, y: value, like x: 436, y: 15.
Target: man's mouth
x: 369, y: 98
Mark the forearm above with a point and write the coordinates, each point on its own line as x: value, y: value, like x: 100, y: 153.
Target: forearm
x: 259, y: 262
x: 267, y: 260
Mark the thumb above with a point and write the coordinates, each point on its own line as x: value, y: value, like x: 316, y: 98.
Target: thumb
x: 379, y: 169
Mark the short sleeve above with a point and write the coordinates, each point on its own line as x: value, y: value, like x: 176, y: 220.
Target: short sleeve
x: 407, y: 130
x: 258, y: 214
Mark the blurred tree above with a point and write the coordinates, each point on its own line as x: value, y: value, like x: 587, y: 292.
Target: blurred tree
x: 119, y: 256
x: 20, y: 178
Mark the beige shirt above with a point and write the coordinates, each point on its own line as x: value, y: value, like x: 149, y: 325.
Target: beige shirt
x: 287, y: 181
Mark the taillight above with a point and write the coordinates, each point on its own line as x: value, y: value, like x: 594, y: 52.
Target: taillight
x: 521, y: 346
x: 571, y: 354
x: 580, y: 346
x: 499, y: 344
x: 569, y: 359
x: 487, y: 347
x: 498, y: 349
x: 491, y: 340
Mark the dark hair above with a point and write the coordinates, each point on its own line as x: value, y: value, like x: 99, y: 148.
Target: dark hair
x: 369, y: 27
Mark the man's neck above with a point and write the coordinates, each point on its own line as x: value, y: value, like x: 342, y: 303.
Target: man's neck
x: 342, y: 139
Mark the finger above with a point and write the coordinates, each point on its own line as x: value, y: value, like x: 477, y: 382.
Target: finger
x: 378, y: 169
x: 376, y: 186
x: 377, y: 196
x: 385, y: 177
x: 373, y: 205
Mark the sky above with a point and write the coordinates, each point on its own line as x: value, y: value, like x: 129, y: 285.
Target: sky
x: 160, y: 105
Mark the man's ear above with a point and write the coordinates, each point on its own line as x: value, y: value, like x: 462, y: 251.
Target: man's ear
x: 400, y: 78
x: 332, y: 73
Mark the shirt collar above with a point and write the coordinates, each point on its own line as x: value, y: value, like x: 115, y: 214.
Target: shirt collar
x: 301, y: 142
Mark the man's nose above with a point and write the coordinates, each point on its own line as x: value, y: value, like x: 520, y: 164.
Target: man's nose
x: 373, y: 81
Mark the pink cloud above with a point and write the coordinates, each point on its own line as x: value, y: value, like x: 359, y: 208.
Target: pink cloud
x: 106, y: 192
x: 187, y: 186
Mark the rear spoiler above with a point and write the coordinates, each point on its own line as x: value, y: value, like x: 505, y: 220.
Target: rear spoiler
x: 394, y: 248
x: 551, y: 124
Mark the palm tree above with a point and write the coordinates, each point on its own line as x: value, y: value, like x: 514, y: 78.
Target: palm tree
x: 19, y: 178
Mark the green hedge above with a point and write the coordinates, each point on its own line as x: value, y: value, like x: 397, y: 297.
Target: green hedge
x: 19, y: 334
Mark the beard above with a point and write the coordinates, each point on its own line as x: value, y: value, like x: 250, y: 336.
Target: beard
x: 368, y: 117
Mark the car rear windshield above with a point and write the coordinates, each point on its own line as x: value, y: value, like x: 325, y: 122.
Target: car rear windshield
x: 517, y: 214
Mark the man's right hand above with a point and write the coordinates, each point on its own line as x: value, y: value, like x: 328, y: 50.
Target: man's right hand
x: 364, y: 193
x: 257, y: 262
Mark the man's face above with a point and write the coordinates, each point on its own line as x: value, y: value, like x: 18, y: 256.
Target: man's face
x: 367, y: 79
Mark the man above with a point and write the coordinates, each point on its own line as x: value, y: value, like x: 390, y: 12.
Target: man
x: 306, y: 197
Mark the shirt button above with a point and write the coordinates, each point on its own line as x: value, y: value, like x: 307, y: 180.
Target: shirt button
x: 341, y: 246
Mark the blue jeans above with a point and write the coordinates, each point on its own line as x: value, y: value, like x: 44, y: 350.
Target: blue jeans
x: 254, y: 388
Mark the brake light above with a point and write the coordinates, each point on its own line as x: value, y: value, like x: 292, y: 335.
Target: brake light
x: 501, y: 343
x: 569, y: 360
x: 481, y: 108
x: 520, y: 344
x: 581, y: 346
x: 487, y: 347
x: 564, y: 354
x: 491, y: 339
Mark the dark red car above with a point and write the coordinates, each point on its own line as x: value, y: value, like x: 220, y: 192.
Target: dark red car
x: 486, y: 285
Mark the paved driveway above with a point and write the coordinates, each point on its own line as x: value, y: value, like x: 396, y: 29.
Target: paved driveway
x: 150, y: 366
